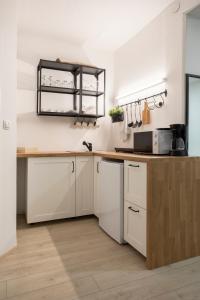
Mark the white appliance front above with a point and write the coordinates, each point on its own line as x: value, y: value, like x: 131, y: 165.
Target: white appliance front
x: 111, y: 217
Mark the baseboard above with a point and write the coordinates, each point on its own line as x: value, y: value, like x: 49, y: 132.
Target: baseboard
x: 9, y: 248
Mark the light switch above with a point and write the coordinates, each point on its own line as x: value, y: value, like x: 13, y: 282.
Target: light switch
x: 6, y: 124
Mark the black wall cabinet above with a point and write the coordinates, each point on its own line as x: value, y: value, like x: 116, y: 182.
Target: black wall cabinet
x: 85, y: 82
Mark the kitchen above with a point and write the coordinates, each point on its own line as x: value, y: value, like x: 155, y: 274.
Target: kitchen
x: 68, y: 248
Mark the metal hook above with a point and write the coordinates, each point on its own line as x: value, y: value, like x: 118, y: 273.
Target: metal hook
x: 155, y: 105
x: 160, y: 103
x: 163, y: 100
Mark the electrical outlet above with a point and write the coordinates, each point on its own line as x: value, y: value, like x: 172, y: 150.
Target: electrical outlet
x: 6, y: 124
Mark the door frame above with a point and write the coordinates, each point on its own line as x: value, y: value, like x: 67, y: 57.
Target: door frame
x: 187, y: 91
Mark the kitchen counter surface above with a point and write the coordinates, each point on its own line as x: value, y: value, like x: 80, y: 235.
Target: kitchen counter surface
x: 105, y: 154
x: 27, y: 154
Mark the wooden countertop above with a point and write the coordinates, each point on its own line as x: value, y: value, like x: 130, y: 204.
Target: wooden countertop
x: 126, y: 156
x: 53, y: 154
x: 105, y: 154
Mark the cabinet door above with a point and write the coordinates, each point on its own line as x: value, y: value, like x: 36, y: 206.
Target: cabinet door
x: 97, y: 197
x: 50, y: 188
x: 135, y: 178
x: 84, y: 186
x: 135, y: 226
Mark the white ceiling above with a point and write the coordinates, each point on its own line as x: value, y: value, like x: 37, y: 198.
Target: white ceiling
x: 195, y: 13
x: 105, y: 24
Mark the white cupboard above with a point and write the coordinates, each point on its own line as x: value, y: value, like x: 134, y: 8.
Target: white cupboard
x: 135, y: 204
x: 84, y: 186
x: 135, y: 177
x: 135, y: 226
x: 50, y: 188
x: 97, y: 190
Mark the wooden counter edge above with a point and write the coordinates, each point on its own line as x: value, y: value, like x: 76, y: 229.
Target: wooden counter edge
x: 173, y: 210
x: 104, y: 154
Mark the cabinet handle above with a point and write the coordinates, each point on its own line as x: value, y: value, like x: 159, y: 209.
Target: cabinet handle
x: 98, y: 167
x: 72, y: 166
x: 134, y: 166
x: 137, y: 211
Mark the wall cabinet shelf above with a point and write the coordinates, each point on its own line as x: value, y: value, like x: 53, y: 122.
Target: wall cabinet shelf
x: 54, y: 89
x: 82, y: 90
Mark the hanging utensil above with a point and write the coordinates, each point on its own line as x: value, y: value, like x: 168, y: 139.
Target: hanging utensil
x: 126, y: 130
x: 146, y: 114
x: 140, y: 122
x: 131, y: 123
x: 135, y: 124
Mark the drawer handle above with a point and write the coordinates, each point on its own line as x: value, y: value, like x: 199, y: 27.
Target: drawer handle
x: 72, y: 166
x: 134, y: 166
x: 137, y: 211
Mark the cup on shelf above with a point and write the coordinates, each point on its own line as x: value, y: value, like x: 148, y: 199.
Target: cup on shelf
x: 50, y: 80
x: 44, y: 80
x: 84, y: 124
x: 57, y: 83
x: 78, y: 124
x: 91, y: 124
x: 70, y: 85
x: 64, y: 83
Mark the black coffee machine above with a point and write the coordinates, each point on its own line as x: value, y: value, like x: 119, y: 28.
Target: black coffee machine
x: 178, y: 140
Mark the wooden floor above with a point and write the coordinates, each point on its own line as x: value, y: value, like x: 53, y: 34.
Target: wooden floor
x: 75, y: 259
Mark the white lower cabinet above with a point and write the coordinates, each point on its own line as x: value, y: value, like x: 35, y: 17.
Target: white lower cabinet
x: 97, y: 189
x: 84, y: 185
x: 135, y: 226
x: 50, y: 188
x: 135, y: 182
x: 135, y: 204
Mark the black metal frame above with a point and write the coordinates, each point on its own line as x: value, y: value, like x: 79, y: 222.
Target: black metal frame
x: 76, y: 70
x: 146, y: 98
x: 187, y: 91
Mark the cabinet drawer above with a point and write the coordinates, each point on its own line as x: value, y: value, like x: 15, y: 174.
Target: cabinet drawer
x: 135, y: 181
x: 135, y: 226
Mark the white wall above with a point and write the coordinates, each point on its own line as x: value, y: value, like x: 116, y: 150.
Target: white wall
x: 7, y: 138
x: 157, y: 52
x: 56, y: 133
x: 193, y: 46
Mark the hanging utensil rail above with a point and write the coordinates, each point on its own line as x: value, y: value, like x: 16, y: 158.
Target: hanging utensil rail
x: 146, y: 98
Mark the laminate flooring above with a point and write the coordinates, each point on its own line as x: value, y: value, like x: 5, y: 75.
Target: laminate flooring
x: 75, y: 259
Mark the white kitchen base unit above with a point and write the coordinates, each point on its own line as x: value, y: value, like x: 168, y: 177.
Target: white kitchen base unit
x: 135, y: 204
x: 84, y: 186
x: 50, y: 188
x: 135, y: 181
x: 135, y: 220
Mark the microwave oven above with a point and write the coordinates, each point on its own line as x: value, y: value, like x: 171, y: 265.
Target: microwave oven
x: 158, y: 141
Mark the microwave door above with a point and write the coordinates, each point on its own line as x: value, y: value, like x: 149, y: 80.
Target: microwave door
x: 143, y: 142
